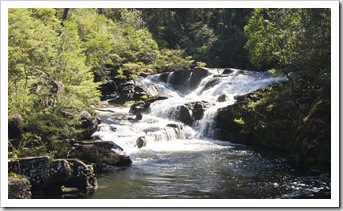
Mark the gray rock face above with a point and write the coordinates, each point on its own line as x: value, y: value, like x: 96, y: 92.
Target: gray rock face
x: 60, y: 170
x: 47, y: 176
x: 36, y: 169
x: 19, y: 188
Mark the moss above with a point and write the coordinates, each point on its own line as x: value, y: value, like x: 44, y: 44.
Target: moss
x: 239, y: 121
x: 12, y: 174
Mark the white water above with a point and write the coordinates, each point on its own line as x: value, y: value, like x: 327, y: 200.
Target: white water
x: 180, y: 137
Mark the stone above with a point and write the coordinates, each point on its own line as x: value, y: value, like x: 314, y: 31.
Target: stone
x: 141, y: 107
x: 228, y: 71
x: 191, y: 112
x: 60, y: 170
x: 36, y: 169
x: 98, y: 155
x: 211, y: 83
x: 141, y: 142
x: 222, y: 98
x: 89, y: 125
x: 15, y: 129
x: 82, y: 176
x: 19, y: 188
x: 196, y: 77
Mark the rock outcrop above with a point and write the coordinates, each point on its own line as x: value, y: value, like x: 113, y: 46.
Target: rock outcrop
x: 47, y: 176
x: 19, y: 188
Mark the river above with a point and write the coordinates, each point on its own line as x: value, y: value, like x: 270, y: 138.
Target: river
x: 180, y: 161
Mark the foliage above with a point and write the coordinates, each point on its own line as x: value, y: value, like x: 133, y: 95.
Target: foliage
x: 289, y: 42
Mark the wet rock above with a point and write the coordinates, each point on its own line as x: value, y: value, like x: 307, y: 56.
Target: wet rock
x: 211, y: 83
x: 191, y: 112
x: 19, y: 188
x: 197, y: 74
x: 113, y: 128
x: 222, y: 98
x: 178, y: 79
x: 142, y: 107
x: 185, y: 115
x: 141, y: 142
x: 228, y: 71
x: 164, y: 77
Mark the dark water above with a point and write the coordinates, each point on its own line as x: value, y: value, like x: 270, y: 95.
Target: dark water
x: 228, y: 173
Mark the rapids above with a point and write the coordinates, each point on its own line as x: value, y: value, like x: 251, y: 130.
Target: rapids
x: 183, y: 161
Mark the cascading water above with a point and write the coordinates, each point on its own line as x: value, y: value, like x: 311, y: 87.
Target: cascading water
x: 180, y: 160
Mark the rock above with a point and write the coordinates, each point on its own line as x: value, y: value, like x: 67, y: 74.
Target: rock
x: 191, y: 112
x: 36, y: 169
x: 82, y: 175
x: 212, y: 82
x: 19, y: 188
x: 228, y: 71
x: 139, y: 116
x: 222, y: 98
x: 60, y: 170
x: 164, y: 77
x: 100, y: 153
x: 141, y: 142
x: 185, y: 115
x: 113, y: 128
x: 47, y: 176
x: 89, y: 125
x: 57, y: 87
x: 178, y: 79
x: 144, y: 106
x: 196, y: 77
x: 15, y: 129
x: 108, y: 89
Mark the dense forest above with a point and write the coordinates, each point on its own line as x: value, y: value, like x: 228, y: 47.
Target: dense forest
x: 59, y: 60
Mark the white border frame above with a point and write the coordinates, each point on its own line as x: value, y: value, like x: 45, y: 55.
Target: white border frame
x: 333, y: 202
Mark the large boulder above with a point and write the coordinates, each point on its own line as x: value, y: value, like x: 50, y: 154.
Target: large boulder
x: 196, y: 77
x: 100, y: 154
x: 36, y: 169
x: 185, y: 80
x: 19, y: 188
x: 189, y: 113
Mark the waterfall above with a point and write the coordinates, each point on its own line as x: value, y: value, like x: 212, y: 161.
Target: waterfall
x: 183, y: 116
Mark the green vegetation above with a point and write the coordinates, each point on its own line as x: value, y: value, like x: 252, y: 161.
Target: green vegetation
x: 288, y: 41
